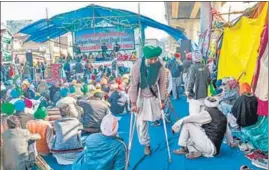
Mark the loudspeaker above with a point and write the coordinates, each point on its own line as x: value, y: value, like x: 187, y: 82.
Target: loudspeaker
x: 29, y: 63
x: 29, y: 59
x: 184, y: 48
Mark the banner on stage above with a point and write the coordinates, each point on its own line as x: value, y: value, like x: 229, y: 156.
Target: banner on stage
x: 55, y: 72
x: 128, y: 64
x: 91, y: 40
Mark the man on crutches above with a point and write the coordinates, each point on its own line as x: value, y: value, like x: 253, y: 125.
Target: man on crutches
x: 147, y: 76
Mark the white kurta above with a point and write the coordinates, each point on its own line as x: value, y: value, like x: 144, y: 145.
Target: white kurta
x: 193, y: 135
x: 149, y: 109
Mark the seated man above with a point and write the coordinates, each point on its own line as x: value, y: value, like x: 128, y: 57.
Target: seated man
x: 118, y: 100
x: 94, y: 110
x: 16, y: 154
x: 41, y: 126
x: 21, y: 114
x: 244, y: 111
x: 71, y: 101
x: 7, y: 109
x: 42, y: 87
x: 103, y: 150
x: 54, y: 93
x: 66, y: 144
x: 28, y: 92
x: 229, y: 94
x: 202, y: 133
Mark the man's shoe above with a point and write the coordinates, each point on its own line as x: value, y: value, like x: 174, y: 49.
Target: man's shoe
x: 147, y: 150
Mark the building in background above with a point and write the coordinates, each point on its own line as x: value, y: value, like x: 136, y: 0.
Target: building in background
x: 6, y: 45
x: 152, y: 42
x: 156, y: 42
x: 60, y: 46
x: 185, y: 16
x: 14, y: 26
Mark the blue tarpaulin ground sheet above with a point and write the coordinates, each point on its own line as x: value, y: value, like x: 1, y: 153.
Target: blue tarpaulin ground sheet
x: 228, y: 159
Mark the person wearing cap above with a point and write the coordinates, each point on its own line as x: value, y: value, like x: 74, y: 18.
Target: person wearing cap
x: 202, y: 132
x: 147, y: 75
x: 103, y: 150
x: 41, y: 126
x: 176, y: 68
x: 94, y: 109
x: 16, y: 153
x: 118, y: 100
x: 198, y: 80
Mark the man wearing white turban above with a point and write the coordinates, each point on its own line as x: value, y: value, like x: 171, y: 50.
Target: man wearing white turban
x: 103, y: 150
x: 202, y: 133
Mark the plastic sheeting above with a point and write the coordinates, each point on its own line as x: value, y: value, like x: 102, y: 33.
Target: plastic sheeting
x: 88, y: 18
x: 260, y: 82
x: 257, y: 134
x: 240, y: 47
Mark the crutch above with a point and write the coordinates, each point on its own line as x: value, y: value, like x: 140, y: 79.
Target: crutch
x: 164, y: 126
x: 131, y: 133
x: 172, y: 108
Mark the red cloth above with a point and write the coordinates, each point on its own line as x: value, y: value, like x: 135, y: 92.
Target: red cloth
x: 262, y: 105
x: 93, y: 77
x: 28, y: 103
x: 11, y: 72
x: 189, y: 56
x: 118, y: 80
x: 121, y: 87
x: 244, y: 88
x: 262, y: 108
x: 263, y: 44
x: 177, y: 55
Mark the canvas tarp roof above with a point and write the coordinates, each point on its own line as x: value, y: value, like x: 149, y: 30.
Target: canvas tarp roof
x: 87, y: 18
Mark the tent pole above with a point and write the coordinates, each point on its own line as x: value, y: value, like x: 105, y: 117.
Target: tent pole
x: 47, y: 17
x: 140, y: 33
x: 73, y: 46
x: 229, y: 14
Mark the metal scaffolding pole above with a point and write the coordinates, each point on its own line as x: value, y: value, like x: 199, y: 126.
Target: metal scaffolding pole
x: 48, y: 42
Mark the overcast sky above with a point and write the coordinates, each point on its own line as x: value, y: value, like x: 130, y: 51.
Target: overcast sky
x: 37, y: 10
x: 155, y: 10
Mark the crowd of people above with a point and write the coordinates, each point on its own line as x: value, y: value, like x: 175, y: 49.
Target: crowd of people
x: 88, y: 107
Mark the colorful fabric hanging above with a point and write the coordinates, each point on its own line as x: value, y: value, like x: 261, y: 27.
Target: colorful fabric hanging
x: 240, y: 46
